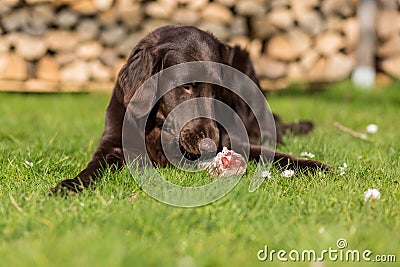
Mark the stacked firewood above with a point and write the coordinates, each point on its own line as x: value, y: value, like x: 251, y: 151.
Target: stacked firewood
x: 81, y: 44
x: 388, y: 33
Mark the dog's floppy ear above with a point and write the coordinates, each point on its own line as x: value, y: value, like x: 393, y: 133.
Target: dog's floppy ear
x: 239, y: 59
x: 143, y: 62
x: 227, y: 54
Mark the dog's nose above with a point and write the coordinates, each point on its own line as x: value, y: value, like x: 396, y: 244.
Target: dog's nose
x: 207, y: 145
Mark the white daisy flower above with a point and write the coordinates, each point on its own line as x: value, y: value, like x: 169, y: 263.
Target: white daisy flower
x: 288, y: 173
x: 307, y: 155
x: 266, y: 174
x: 372, y: 128
x: 372, y: 194
x: 28, y: 164
x: 342, y: 169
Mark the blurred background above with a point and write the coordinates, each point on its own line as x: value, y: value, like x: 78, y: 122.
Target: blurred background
x: 80, y: 45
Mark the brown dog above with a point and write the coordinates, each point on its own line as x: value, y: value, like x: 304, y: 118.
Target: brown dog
x: 163, y: 48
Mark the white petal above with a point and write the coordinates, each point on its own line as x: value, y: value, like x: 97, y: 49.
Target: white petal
x: 266, y: 174
x: 372, y: 194
x: 372, y: 128
x: 307, y: 155
x: 288, y: 173
x: 28, y: 164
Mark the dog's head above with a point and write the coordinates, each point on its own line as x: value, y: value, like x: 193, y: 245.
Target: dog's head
x: 161, y: 49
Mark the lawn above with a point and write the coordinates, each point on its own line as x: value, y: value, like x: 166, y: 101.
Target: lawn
x: 50, y: 137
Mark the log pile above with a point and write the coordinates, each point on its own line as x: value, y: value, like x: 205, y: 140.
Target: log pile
x: 46, y: 45
x: 388, y: 32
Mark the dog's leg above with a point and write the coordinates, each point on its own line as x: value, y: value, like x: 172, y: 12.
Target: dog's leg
x: 283, y: 160
x: 286, y: 161
x: 300, y: 127
x: 108, y: 153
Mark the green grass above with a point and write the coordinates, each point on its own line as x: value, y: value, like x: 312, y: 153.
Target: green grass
x: 117, y: 224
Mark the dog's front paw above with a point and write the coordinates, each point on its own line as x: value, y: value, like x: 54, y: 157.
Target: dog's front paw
x: 67, y: 187
x: 301, y: 127
x: 312, y: 165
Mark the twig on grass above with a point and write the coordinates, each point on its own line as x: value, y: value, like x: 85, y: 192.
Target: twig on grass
x: 15, y: 204
x: 351, y: 132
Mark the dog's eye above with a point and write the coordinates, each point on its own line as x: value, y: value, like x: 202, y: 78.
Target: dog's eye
x: 189, y: 87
